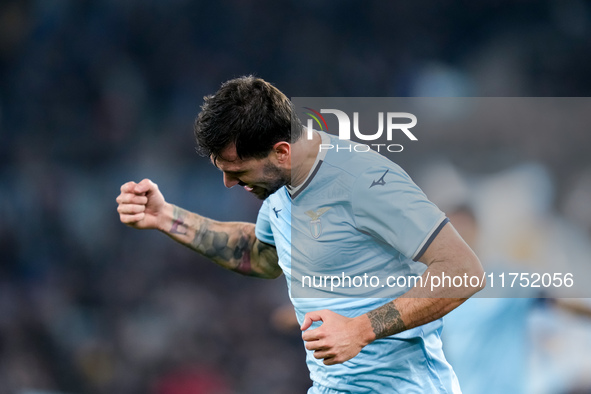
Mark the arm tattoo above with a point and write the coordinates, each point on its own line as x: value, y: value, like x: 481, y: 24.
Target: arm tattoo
x: 217, y: 245
x: 386, y: 320
x: 267, y: 257
x: 178, y: 222
x: 235, y: 250
x: 232, y: 245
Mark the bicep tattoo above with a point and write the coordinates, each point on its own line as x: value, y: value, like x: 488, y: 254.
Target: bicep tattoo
x: 222, y: 246
x: 266, y: 258
x: 232, y: 245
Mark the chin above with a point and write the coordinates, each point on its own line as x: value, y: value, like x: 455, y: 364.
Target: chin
x: 262, y: 193
x: 270, y: 186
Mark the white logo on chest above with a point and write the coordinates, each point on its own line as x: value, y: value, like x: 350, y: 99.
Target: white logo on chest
x: 315, y: 224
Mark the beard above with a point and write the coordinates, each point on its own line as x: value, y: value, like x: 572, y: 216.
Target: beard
x: 274, y: 180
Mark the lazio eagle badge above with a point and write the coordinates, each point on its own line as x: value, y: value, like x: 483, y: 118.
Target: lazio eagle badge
x: 315, y: 224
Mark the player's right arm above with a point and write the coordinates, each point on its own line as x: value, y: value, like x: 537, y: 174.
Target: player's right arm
x: 232, y: 245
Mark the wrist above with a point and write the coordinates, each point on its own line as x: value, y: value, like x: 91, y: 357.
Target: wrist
x: 165, y: 218
x: 365, y: 329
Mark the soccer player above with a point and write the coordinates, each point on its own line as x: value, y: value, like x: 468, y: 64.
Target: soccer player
x: 328, y: 213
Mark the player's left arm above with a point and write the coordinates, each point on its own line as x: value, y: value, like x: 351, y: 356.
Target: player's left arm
x: 448, y: 255
x: 340, y: 338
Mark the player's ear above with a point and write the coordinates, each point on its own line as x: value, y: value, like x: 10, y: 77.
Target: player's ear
x: 282, y: 152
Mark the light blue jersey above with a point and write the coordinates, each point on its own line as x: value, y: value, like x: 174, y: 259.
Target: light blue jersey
x: 359, y: 214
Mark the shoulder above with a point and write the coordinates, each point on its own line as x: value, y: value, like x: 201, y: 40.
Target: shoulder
x: 357, y: 160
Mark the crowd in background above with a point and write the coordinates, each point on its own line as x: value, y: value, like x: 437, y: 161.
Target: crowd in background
x: 96, y: 93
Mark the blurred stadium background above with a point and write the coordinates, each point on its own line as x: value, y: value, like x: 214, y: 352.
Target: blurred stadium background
x: 96, y: 93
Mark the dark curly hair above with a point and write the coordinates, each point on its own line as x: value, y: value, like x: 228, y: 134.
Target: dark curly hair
x: 248, y: 112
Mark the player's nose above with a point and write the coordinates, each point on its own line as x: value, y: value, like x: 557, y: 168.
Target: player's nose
x: 230, y: 181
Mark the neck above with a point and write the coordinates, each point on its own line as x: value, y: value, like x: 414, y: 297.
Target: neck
x: 304, y: 153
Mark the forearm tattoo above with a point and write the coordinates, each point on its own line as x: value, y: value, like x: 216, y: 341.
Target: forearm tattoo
x: 233, y: 247
x: 386, y: 321
x: 178, y: 223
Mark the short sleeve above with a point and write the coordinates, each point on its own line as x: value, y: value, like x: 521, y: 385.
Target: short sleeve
x: 388, y: 205
x: 263, y: 230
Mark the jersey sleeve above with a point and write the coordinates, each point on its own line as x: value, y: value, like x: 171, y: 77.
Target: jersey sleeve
x: 388, y: 205
x: 263, y: 230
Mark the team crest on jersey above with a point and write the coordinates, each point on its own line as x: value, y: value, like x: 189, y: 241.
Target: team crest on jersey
x: 315, y: 224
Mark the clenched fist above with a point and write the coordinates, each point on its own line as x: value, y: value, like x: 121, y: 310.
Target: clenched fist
x: 339, y: 338
x: 141, y: 205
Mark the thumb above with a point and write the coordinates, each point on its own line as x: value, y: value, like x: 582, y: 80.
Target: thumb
x: 310, y: 318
